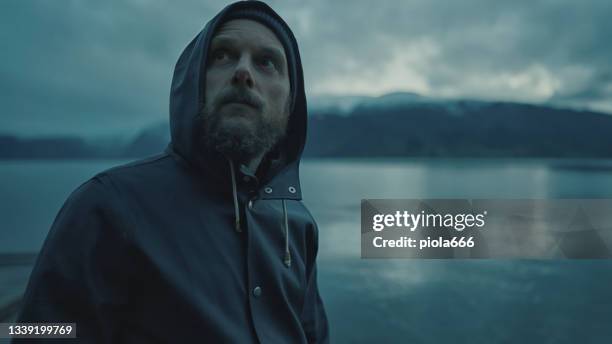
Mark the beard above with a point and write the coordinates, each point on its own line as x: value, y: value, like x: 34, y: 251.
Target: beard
x: 240, y: 136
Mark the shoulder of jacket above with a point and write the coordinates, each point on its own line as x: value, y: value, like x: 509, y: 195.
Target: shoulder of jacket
x: 136, y: 165
x: 103, y: 188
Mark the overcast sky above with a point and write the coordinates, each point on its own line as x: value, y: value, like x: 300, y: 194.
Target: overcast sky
x: 96, y: 67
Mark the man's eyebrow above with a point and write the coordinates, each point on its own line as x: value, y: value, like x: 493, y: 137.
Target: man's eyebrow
x: 269, y: 50
x: 223, y: 41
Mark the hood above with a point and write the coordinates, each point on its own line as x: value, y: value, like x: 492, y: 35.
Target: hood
x: 187, y: 98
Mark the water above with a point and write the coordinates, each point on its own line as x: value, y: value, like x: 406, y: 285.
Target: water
x: 418, y: 301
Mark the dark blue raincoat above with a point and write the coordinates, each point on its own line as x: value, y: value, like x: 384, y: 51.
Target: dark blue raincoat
x: 185, y: 247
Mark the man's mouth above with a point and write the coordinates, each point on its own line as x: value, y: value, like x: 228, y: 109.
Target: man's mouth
x: 236, y: 102
x: 238, y: 98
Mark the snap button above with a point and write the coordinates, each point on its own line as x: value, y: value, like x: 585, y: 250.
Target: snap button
x: 257, y: 291
x: 250, y: 204
x: 268, y: 190
x: 291, y: 189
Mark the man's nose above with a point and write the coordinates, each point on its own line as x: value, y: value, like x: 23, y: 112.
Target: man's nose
x: 242, y: 74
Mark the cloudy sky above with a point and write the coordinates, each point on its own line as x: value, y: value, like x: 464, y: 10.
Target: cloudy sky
x: 95, y: 67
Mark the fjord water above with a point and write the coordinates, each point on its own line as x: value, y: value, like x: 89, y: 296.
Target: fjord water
x: 397, y: 300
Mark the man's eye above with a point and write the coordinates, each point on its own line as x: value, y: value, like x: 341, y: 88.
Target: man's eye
x: 267, y: 63
x: 220, y: 55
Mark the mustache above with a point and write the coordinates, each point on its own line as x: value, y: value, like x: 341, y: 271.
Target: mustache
x: 240, y: 96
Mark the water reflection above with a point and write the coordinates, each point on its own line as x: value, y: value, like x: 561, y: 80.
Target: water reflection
x: 461, y: 301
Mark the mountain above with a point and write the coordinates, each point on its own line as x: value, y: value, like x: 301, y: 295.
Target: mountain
x: 149, y: 141
x: 461, y: 129
x: 344, y: 105
x: 393, y: 125
x: 12, y: 147
x: 340, y: 105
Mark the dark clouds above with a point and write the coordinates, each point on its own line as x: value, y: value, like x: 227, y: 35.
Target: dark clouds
x: 530, y: 50
x: 91, y: 66
x: 98, y: 67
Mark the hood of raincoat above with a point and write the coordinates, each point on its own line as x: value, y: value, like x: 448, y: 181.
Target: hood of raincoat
x: 187, y: 99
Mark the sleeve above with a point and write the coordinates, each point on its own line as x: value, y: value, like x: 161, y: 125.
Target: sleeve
x: 82, y: 272
x: 314, y: 317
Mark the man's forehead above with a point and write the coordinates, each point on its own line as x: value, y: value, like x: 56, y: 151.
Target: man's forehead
x: 247, y: 31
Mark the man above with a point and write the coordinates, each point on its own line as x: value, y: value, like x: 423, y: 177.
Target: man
x: 208, y: 242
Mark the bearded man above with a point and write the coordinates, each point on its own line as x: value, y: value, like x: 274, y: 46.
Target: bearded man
x: 208, y: 241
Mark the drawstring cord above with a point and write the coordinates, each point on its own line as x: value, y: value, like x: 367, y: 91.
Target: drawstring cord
x: 287, y: 260
x: 235, y: 195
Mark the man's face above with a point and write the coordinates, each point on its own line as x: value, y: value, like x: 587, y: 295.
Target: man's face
x: 247, y: 90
